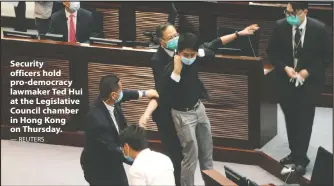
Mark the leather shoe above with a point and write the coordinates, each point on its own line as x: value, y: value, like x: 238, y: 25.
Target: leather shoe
x: 286, y: 160
x: 306, y: 161
x: 300, y: 169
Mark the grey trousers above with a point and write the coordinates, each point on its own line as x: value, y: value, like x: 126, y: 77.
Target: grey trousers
x: 194, y: 131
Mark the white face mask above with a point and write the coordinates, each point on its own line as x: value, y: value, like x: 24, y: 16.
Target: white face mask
x: 74, y: 6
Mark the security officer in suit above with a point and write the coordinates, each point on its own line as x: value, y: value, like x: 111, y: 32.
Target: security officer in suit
x: 300, y: 50
x: 102, y: 158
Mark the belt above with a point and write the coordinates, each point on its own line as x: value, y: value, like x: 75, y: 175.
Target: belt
x: 188, y: 109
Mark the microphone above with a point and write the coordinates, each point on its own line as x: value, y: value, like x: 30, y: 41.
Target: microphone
x: 250, y: 43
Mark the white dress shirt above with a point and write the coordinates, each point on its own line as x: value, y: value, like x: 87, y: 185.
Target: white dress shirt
x: 151, y: 168
x: 302, y: 36
x: 68, y: 23
x: 111, y: 111
x: 43, y: 9
x: 170, y: 53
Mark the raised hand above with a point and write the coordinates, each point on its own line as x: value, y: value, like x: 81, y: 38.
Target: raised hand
x: 249, y: 30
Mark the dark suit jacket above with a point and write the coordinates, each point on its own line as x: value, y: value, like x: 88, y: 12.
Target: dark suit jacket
x: 165, y: 81
x: 102, y: 158
x: 84, y: 27
x: 315, y: 56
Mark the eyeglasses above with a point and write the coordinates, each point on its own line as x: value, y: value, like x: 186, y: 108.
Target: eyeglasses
x: 287, y: 13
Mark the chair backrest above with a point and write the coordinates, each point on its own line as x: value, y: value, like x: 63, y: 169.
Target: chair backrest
x: 322, y: 174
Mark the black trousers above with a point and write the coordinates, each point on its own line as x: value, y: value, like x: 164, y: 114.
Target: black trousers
x: 171, y: 144
x: 20, y: 17
x: 103, y: 177
x: 299, y: 117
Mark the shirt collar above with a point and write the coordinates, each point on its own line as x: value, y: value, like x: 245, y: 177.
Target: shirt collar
x: 110, y: 108
x: 302, y: 26
x: 68, y: 14
x: 170, y: 53
x: 142, y: 153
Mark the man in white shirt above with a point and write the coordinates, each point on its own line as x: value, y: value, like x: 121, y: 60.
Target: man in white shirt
x: 149, y: 167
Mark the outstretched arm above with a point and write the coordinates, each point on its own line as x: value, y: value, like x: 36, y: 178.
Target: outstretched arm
x: 137, y: 94
x: 152, y: 105
x: 245, y: 32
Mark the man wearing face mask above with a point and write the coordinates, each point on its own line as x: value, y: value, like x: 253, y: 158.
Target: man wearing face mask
x: 149, y: 167
x: 102, y: 158
x: 300, y: 51
x: 73, y: 22
x: 168, y: 38
x: 180, y: 89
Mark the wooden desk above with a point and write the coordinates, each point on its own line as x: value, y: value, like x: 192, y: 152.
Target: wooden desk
x: 237, y: 116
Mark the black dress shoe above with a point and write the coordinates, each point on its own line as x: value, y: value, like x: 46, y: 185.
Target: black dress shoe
x: 286, y: 160
x: 306, y: 162
x: 300, y: 169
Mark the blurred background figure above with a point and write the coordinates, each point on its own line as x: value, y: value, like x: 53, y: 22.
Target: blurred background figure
x: 43, y: 11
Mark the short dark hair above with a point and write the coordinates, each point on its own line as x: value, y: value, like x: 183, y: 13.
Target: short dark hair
x: 299, y: 5
x: 159, y: 31
x: 188, y: 41
x: 108, y: 84
x: 135, y: 137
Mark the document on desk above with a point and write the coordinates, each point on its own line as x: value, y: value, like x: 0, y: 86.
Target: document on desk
x: 140, y: 49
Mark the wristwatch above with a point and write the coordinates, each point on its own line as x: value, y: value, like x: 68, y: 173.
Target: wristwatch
x: 236, y: 33
x: 144, y: 93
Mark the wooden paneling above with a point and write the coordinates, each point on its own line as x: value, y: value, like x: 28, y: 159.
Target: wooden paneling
x: 148, y: 21
x: 227, y: 111
x: 228, y: 107
x: 110, y: 23
x: 187, y: 23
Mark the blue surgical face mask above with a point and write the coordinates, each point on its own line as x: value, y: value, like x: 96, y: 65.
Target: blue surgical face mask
x: 74, y: 6
x: 120, y: 97
x: 172, y: 43
x: 293, y: 20
x: 188, y: 61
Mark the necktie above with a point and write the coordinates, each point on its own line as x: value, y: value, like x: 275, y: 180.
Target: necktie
x: 118, y: 120
x: 72, y: 30
x: 297, y: 43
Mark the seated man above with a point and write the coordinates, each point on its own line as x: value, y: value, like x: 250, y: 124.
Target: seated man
x: 149, y: 167
x: 73, y: 22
